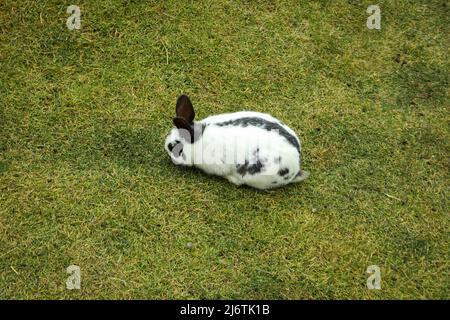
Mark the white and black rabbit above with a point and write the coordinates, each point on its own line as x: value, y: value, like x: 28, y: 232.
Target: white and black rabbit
x: 244, y: 147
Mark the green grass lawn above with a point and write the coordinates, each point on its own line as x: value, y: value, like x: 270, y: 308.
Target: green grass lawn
x: 85, y: 180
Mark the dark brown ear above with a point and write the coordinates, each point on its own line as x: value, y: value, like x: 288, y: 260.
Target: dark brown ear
x: 181, y: 123
x: 184, y: 109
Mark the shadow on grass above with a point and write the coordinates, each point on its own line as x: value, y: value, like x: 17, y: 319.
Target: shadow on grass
x: 143, y: 149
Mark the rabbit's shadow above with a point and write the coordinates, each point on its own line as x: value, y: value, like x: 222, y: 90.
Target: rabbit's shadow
x: 144, y: 148
x: 135, y: 147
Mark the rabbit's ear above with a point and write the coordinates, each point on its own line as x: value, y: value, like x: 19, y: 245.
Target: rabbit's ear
x: 181, y: 123
x: 184, y: 109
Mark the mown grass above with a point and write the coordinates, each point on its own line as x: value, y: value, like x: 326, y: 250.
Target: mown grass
x: 84, y: 178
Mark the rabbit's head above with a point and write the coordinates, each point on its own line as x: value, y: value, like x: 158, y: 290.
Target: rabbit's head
x: 181, y: 138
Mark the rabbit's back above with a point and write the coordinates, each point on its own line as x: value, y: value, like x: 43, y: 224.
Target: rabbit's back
x: 250, y: 148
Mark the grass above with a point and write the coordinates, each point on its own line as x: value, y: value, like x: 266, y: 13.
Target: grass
x: 85, y: 180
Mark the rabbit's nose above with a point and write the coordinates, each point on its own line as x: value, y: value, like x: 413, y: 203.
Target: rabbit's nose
x: 170, y: 146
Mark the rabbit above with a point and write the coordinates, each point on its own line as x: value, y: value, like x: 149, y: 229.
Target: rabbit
x: 246, y: 148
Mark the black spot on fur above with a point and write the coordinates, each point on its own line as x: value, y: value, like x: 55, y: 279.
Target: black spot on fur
x: 248, y: 168
x: 283, y: 172
x: 264, y: 124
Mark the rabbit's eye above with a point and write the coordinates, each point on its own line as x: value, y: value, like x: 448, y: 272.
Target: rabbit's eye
x: 171, y: 145
x: 176, y: 148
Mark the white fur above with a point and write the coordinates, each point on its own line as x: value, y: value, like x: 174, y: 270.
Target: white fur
x: 221, y: 148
